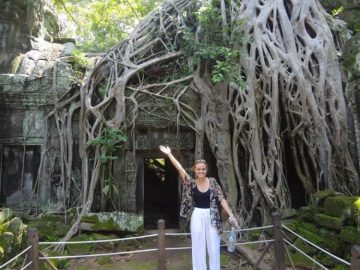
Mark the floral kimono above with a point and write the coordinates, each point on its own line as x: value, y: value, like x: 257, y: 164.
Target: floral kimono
x: 216, y: 196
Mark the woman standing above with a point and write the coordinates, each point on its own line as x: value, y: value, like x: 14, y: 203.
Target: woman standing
x: 204, y: 196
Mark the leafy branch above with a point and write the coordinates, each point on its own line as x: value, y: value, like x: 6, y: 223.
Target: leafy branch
x: 111, y: 140
x: 208, y: 45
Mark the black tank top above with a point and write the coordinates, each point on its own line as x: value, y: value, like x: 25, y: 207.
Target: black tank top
x: 201, y: 199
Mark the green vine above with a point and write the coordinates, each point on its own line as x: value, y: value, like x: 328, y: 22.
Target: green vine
x: 111, y: 140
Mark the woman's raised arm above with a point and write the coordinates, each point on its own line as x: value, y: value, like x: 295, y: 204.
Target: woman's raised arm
x: 166, y: 150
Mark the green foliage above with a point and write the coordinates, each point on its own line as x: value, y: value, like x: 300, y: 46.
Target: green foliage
x: 80, y: 59
x: 111, y: 140
x: 100, y: 24
x: 210, y: 45
x: 337, y: 11
x: 224, y: 61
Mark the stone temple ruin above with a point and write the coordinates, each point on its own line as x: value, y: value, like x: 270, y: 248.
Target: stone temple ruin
x: 35, y: 70
x: 27, y: 58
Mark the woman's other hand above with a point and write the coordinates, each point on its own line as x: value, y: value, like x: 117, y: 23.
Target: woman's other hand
x: 165, y: 149
x: 233, y: 222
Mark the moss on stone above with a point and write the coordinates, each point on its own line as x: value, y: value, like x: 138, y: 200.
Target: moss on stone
x: 17, y: 228
x: 325, y: 260
x: 50, y: 227
x: 90, y: 219
x: 45, y: 228
x: 7, y: 242
x: 328, y: 221
x: 61, y: 229
x: 2, y: 253
x: 310, y: 227
x: 307, y: 213
x: 5, y: 215
x: 109, y: 225
x: 350, y: 235
x: 304, y: 247
x: 115, y: 221
x: 324, y: 238
x: 53, y: 218
x: 335, y: 206
x: 81, y: 248
x: 317, y: 199
x: 288, y: 213
x: 299, y: 260
x: 341, y: 267
x: 292, y: 223
x: 87, y: 248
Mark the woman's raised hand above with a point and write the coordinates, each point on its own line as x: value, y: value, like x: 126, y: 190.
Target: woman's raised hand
x: 165, y: 149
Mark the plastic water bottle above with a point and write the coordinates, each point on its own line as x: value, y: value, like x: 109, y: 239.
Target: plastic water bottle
x: 231, y: 240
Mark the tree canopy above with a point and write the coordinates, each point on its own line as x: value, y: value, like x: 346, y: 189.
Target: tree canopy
x: 100, y: 24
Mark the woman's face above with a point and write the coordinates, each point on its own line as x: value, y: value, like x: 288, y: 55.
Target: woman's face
x: 200, y: 170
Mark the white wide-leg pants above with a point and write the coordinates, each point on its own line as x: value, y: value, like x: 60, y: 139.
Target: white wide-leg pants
x: 204, y: 236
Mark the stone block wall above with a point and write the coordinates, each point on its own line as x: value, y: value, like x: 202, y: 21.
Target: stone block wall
x: 20, y: 23
x: 331, y: 221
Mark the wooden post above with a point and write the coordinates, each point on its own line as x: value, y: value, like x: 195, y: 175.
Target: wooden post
x: 33, y: 253
x: 355, y: 258
x: 161, y: 245
x: 279, y: 245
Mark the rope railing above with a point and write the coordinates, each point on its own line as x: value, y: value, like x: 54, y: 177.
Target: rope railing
x: 253, y: 229
x: 317, y: 247
x: 240, y: 231
x: 26, y: 266
x: 96, y: 255
x: 177, y: 248
x: 98, y: 241
x: 278, y: 243
x: 223, y: 245
x: 177, y: 234
x: 15, y: 257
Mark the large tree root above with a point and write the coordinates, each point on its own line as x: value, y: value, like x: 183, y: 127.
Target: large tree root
x: 292, y: 92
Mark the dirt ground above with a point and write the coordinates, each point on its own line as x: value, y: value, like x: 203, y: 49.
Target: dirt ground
x: 175, y: 259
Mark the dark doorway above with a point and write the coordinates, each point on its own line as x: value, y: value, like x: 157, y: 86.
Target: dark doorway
x: 19, y: 172
x: 161, y: 193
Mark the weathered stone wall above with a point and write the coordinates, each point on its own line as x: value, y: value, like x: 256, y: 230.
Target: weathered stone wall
x: 25, y: 101
x: 27, y: 94
x: 331, y: 221
x: 21, y: 22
